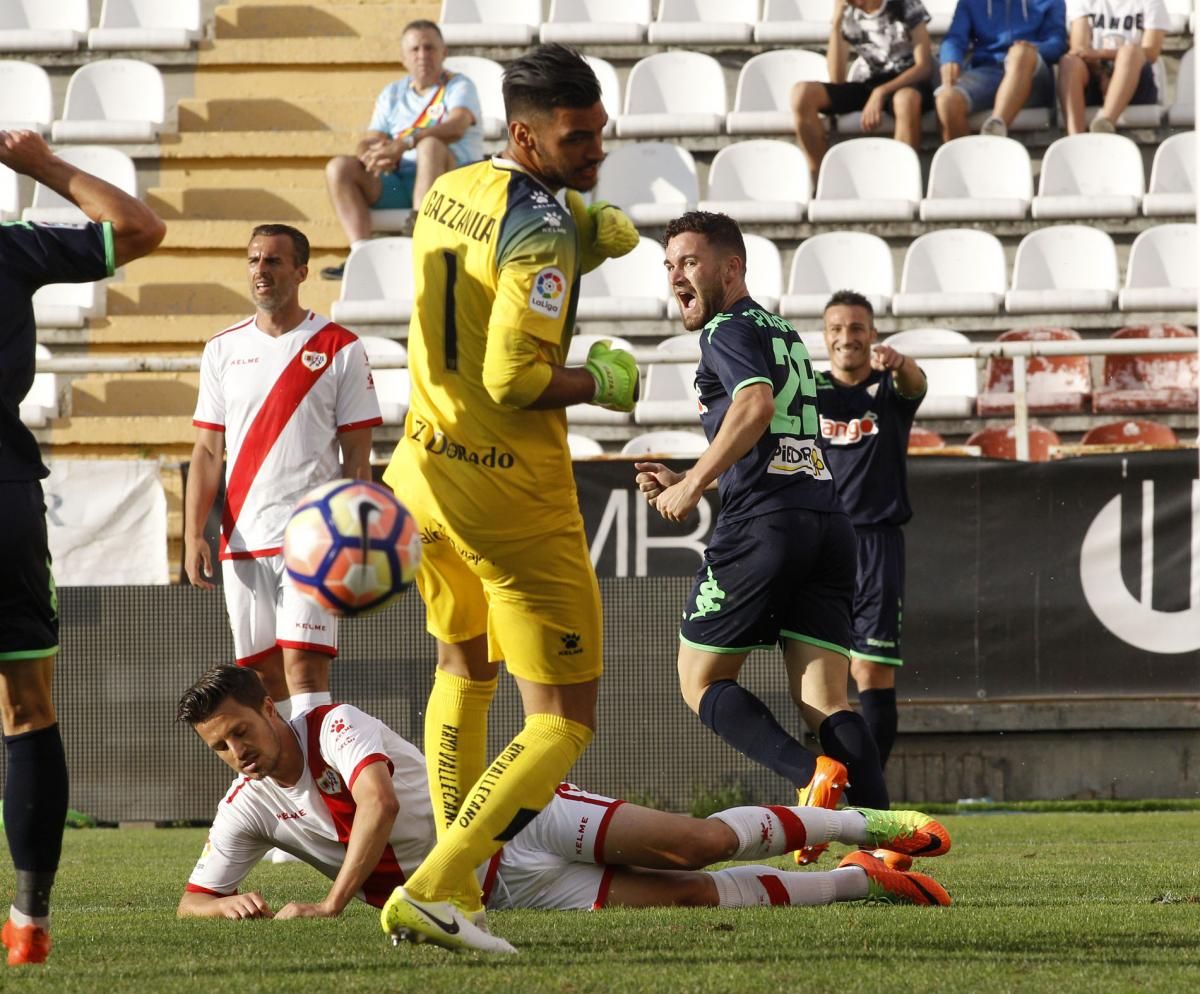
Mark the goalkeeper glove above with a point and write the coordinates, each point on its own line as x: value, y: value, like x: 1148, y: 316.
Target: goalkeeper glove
x: 604, y: 231
x: 616, y: 376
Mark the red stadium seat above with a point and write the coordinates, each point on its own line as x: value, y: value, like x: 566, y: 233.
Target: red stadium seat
x: 1131, y: 432
x: 923, y: 438
x: 1158, y: 382
x: 1000, y: 442
x: 1054, y: 384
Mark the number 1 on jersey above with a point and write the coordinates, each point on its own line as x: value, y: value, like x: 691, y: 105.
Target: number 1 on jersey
x: 800, y: 379
x: 450, y: 332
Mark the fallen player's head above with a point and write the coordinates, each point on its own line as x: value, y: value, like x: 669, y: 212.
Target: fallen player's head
x: 706, y: 265
x: 230, y: 710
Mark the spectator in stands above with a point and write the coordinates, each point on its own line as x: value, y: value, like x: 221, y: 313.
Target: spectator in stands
x: 866, y: 405
x: 281, y: 392
x: 1113, y: 47
x: 121, y: 228
x: 1012, y: 47
x: 892, y: 73
x: 424, y: 124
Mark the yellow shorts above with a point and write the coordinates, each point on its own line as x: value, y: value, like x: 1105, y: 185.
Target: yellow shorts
x: 536, y: 599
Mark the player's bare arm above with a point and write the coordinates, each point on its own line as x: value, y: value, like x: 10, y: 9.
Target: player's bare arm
x: 909, y: 377
x: 235, y: 907
x: 356, y: 453
x: 136, y: 229
x: 204, y: 477
x: 748, y: 417
x: 376, y: 808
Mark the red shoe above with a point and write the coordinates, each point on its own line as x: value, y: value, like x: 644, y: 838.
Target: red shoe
x: 824, y: 790
x: 26, y: 943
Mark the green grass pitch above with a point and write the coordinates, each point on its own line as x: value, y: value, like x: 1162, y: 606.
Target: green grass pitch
x: 1043, y: 902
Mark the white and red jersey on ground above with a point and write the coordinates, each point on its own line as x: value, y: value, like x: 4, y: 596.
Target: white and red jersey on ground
x: 281, y: 402
x: 312, y: 820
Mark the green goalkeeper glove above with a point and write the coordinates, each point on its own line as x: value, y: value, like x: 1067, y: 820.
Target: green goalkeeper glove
x: 604, y: 231
x: 616, y: 376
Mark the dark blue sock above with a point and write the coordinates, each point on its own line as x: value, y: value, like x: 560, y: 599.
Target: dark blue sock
x: 845, y: 736
x: 746, y: 723
x: 879, y: 712
x: 35, y: 808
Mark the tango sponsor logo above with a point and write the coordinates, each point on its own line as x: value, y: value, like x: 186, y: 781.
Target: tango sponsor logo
x: 798, y: 455
x: 849, y: 432
x: 438, y: 443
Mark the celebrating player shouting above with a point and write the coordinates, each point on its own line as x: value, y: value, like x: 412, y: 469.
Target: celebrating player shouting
x: 485, y: 470
x: 780, y: 565
x: 341, y: 791
x: 281, y: 391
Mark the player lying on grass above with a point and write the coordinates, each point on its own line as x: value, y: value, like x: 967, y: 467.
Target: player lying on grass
x: 341, y: 791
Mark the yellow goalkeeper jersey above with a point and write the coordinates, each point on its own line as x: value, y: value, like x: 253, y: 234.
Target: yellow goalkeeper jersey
x: 496, y: 264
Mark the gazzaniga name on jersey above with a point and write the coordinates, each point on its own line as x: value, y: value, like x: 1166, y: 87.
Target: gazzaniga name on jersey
x: 798, y: 455
x: 848, y: 432
x: 438, y: 443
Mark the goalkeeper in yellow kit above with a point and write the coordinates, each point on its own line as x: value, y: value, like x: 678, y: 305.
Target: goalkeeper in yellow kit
x: 485, y: 470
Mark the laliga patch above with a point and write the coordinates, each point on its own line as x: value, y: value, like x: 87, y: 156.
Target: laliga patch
x: 313, y: 360
x: 549, y: 292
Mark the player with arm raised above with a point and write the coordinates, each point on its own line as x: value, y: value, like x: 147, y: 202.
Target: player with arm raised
x: 281, y: 392
x: 344, y: 793
x: 779, y: 568
x: 121, y: 229
x: 485, y: 470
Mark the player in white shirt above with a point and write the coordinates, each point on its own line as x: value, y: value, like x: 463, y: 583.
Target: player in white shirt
x: 341, y: 791
x: 1113, y: 45
x: 281, y: 392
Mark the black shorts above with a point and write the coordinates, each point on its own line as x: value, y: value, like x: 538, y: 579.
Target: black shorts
x: 784, y: 575
x: 846, y: 98
x: 879, y: 594
x: 28, y: 599
x: 1146, y: 92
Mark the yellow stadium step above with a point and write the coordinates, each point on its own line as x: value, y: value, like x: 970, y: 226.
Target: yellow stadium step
x: 290, y: 205
x: 301, y: 76
x: 319, y: 20
x: 177, y: 334
x: 222, y: 174
x: 234, y: 235
x: 273, y: 114
x: 121, y: 435
x: 348, y: 51
x: 108, y: 395
x: 317, y: 146
x: 227, y: 266
x: 207, y: 298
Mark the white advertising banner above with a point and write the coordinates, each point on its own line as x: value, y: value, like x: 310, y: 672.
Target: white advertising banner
x: 107, y: 522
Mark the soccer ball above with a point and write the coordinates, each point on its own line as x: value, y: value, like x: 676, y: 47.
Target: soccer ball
x: 351, y: 547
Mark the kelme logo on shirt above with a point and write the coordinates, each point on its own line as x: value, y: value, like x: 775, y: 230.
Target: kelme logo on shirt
x: 313, y: 360
x: 549, y: 290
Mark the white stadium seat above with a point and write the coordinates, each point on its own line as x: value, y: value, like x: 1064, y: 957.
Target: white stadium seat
x: 1090, y: 176
x: 41, y: 403
x: 666, y: 443
x: 762, y: 100
x: 590, y: 414
x: 26, y: 99
x: 940, y: 14
x: 109, y: 164
x: 1182, y: 113
x: 668, y: 395
x: 979, y: 177
x: 1067, y: 267
x: 377, y: 286
x: 490, y: 22
x: 610, y: 90
x: 69, y: 305
x: 1161, y: 275
x: 793, y: 22
x: 1179, y: 12
x: 759, y: 181
x: 838, y: 260
x: 163, y: 24
x: 1141, y: 115
x: 674, y: 93
x: 10, y: 195
x: 390, y: 218
x: 687, y: 343
x: 113, y: 100
x: 597, y: 22
x: 818, y: 355
x: 1173, y: 178
x: 43, y: 25
x: 631, y: 288
x: 953, y: 383
x: 652, y: 182
x: 764, y: 271
x: 867, y: 179
x: 703, y: 22
x: 1027, y: 119
x: 582, y: 447
x: 581, y: 344
x: 952, y: 271
x: 487, y: 75
x: 392, y: 386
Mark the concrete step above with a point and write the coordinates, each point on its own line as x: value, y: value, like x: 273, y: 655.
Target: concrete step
x: 176, y: 334
x: 301, y: 76
x: 133, y: 395
x: 206, y: 266
x: 234, y: 235
x: 119, y: 436
x: 273, y: 114
x: 315, y: 147
x: 288, y: 204
x: 218, y: 299
x: 318, y: 20
x: 346, y: 51
x: 240, y: 173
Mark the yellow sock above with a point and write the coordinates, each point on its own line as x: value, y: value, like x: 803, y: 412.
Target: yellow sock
x: 456, y: 720
x: 518, y: 784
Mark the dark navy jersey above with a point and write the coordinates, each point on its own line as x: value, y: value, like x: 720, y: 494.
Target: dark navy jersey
x: 864, y: 433
x: 32, y: 255
x: 785, y: 469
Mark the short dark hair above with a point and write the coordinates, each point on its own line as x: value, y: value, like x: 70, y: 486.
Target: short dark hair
x: 299, y: 239
x: 420, y: 24
x: 721, y: 230
x: 547, y: 77
x: 207, y: 694
x: 850, y: 298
